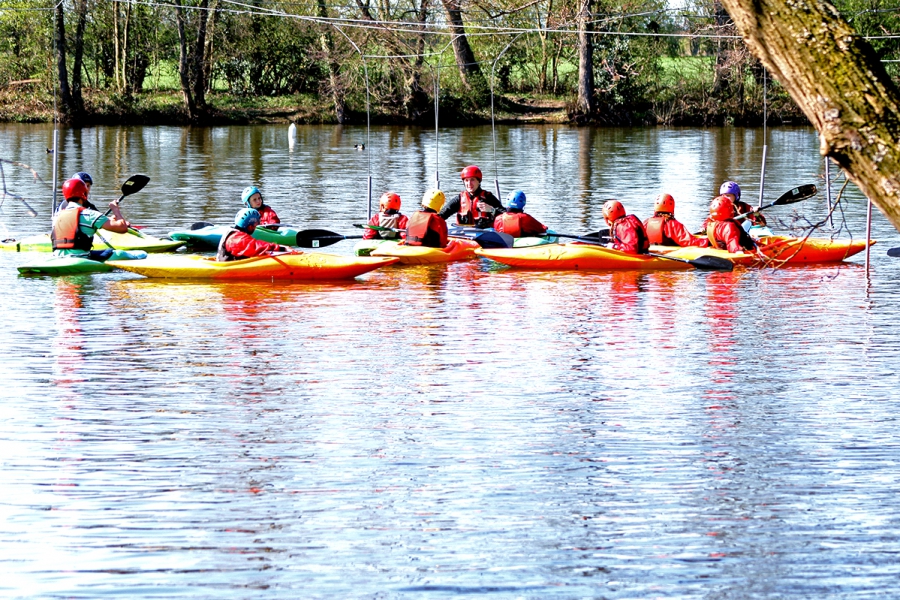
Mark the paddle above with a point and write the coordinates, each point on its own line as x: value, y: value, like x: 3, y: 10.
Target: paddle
x: 132, y: 185
x: 704, y: 263
x: 893, y: 252
x: 319, y: 238
x: 495, y: 239
x: 789, y: 197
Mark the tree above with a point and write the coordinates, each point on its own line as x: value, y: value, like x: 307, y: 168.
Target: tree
x: 469, y: 70
x: 69, y: 110
x: 584, y: 105
x: 839, y: 83
x: 192, y: 61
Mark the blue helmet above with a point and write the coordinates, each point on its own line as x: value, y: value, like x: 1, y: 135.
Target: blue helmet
x: 85, y: 177
x: 730, y: 187
x: 245, y: 218
x: 249, y: 191
x: 516, y: 200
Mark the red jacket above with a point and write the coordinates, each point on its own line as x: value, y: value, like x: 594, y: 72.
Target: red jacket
x: 628, y: 235
x: 728, y: 235
x: 518, y: 224
x: 426, y: 228
x: 665, y: 230
x: 236, y: 245
x: 267, y: 216
x: 739, y: 209
x: 396, y: 221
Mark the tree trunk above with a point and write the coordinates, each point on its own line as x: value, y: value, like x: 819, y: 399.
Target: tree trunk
x: 78, y: 58
x: 198, y: 63
x: 585, y: 103
x: 337, y: 96
x: 839, y: 83
x: 465, y: 58
x: 68, y: 110
x: 184, y: 66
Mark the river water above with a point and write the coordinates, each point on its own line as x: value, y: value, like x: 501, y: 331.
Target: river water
x: 455, y: 430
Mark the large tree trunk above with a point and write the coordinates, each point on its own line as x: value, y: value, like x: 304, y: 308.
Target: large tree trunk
x: 184, y: 66
x: 78, y: 57
x: 337, y: 95
x: 198, y: 63
x: 68, y: 110
x: 192, y: 62
x: 839, y: 83
x: 585, y: 102
x: 465, y: 58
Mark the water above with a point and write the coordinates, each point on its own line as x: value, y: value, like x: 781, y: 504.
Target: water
x: 455, y: 430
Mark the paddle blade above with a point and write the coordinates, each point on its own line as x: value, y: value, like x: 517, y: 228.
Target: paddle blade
x: 494, y: 239
x: 712, y: 263
x: 201, y: 225
x: 135, y: 183
x: 317, y: 238
x: 796, y: 195
x: 893, y: 252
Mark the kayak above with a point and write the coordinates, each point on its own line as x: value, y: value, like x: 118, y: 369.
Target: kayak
x: 365, y: 247
x: 132, y: 240
x: 207, y: 238
x: 578, y: 257
x: 456, y: 249
x: 292, y: 265
x: 69, y: 265
x: 777, y: 250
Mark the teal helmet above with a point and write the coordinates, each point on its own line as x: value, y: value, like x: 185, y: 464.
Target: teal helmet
x: 245, y: 218
x: 516, y: 200
x: 249, y: 191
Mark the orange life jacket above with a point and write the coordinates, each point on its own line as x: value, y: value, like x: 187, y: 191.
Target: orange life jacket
x: 655, y: 233
x: 468, y: 208
x: 66, y: 234
x: 420, y: 232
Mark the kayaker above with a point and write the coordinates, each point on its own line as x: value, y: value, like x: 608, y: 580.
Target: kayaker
x: 74, y: 227
x: 515, y: 221
x: 88, y: 181
x: 732, y: 191
x: 252, y: 198
x: 626, y: 232
x: 426, y: 227
x: 723, y: 231
x: 239, y: 242
x: 663, y: 229
x: 388, y: 216
x: 474, y: 206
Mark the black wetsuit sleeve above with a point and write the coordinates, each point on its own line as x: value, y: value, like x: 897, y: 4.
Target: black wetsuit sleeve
x: 450, y: 208
x: 491, y: 200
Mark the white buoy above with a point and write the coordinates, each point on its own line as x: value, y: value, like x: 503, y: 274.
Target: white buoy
x: 292, y: 136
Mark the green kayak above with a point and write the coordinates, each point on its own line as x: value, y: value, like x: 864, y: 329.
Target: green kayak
x: 132, y: 240
x: 70, y: 265
x: 207, y: 238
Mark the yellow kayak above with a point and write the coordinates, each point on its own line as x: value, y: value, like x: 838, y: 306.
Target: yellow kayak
x: 456, y: 249
x: 578, y: 257
x: 291, y: 265
x: 132, y: 240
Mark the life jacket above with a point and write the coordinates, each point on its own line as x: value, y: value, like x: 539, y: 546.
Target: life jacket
x: 390, y: 221
x: 746, y: 242
x: 222, y: 254
x: 655, y: 227
x: 268, y: 217
x: 468, y: 208
x: 518, y: 224
x: 643, y: 244
x: 420, y: 233
x: 66, y: 234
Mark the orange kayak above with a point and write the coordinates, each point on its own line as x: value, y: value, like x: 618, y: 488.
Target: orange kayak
x: 578, y: 257
x: 777, y: 250
x: 293, y: 265
x: 457, y: 249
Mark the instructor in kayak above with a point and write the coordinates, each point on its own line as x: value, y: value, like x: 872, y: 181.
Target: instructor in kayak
x: 474, y: 206
x: 239, y: 242
x: 626, y: 232
x: 663, y: 229
x: 723, y: 231
x: 74, y: 227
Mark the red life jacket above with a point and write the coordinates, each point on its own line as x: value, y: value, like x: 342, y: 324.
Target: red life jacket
x: 426, y: 229
x: 655, y: 227
x: 66, y: 234
x: 721, y: 241
x: 518, y: 224
x: 267, y: 216
x: 468, y: 208
x: 628, y: 230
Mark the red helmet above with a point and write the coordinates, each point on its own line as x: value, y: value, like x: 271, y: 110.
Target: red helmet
x: 74, y: 188
x: 665, y: 203
x: 389, y: 201
x: 613, y: 210
x: 471, y: 171
x: 721, y: 209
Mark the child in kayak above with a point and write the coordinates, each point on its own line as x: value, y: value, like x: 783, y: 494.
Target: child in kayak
x: 426, y: 227
x: 389, y: 216
x: 252, y: 198
x: 663, y: 229
x: 474, y: 206
x: 88, y: 181
x: 239, y: 242
x: 723, y: 231
x: 515, y: 221
x: 626, y: 232
x: 74, y: 227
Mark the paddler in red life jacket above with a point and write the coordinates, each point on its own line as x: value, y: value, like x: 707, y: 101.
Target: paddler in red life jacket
x: 426, y: 227
x: 626, y: 232
x: 474, y: 206
x: 723, y: 231
x: 239, y: 242
x: 515, y: 221
x: 74, y: 227
x: 663, y: 229
x: 389, y: 216
x: 252, y: 198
